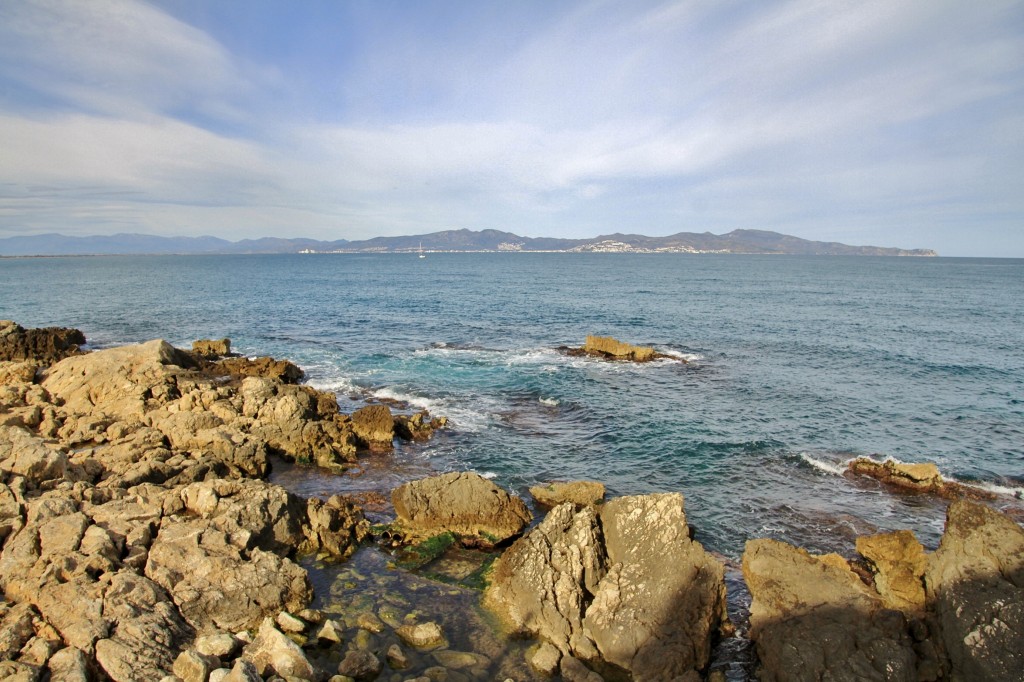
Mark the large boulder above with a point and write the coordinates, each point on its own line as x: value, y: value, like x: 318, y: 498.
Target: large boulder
x: 374, y: 427
x: 46, y: 345
x: 899, y: 561
x: 812, y: 618
x: 634, y: 593
x: 463, y: 503
x: 267, y: 368
x: 211, y: 348
x: 542, y: 585
x: 975, y: 584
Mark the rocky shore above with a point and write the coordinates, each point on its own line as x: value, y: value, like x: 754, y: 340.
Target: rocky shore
x: 141, y: 541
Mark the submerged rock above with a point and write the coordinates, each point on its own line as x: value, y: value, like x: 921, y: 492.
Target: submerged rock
x: 466, y: 504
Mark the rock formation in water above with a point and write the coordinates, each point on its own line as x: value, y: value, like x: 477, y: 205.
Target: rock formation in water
x: 956, y: 614
x: 580, y: 493
x: 134, y: 524
x: 918, y: 478
x: 624, y: 591
x: 607, y: 348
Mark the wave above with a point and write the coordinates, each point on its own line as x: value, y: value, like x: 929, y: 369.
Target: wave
x: 550, y: 402
x: 839, y: 469
x: 461, y: 417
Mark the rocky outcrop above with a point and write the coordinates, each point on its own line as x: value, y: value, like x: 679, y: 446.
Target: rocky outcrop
x: 955, y: 614
x: 580, y: 493
x: 975, y: 587
x: 466, y: 504
x: 917, y: 478
x: 45, y: 345
x: 209, y: 348
x: 608, y: 347
x: 266, y: 368
x: 374, y: 427
x: 634, y: 593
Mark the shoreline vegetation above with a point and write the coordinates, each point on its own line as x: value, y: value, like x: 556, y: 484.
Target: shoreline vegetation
x: 141, y: 541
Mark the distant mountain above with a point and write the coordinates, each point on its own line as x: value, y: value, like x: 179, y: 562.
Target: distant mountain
x: 737, y: 241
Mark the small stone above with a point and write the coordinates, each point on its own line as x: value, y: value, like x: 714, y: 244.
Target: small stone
x: 363, y: 641
x: 330, y: 632
x: 368, y: 621
x: 222, y: 645
x: 243, y: 671
x: 219, y: 675
x: 192, y: 666
x: 289, y: 623
x: 461, y: 659
x: 311, y: 615
x: 396, y: 657
x: 545, y: 658
x: 361, y: 665
x: 423, y: 636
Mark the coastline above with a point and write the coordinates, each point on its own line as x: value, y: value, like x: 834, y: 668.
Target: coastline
x: 110, y: 478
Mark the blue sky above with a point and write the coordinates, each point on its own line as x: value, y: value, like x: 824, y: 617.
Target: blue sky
x: 890, y: 123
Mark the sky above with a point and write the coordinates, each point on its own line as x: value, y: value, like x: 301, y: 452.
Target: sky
x: 889, y: 123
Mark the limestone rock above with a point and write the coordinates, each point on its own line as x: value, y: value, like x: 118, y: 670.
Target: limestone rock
x: 607, y: 346
x: 465, y: 504
x: 335, y: 528
x: 419, y: 426
x: 899, y: 562
x: 920, y: 478
x: 580, y: 493
x: 374, y: 427
x: 69, y: 665
x: 812, y: 618
x: 273, y: 652
x: 192, y: 666
x: 47, y: 345
x: 268, y: 368
x: 18, y: 372
x: 545, y: 658
x: 541, y: 585
x: 657, y: 609
x: 422, y: 635
x: 24, y: 454
x: 223, y: 645
x: 243, y: 671
x: 975, y: 580
x: 209, y: 348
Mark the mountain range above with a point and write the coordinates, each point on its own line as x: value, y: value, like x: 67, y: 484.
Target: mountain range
x: 737, y: 241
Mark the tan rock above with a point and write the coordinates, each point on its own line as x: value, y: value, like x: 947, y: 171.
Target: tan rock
x: 209, y: 348
x: 465, y: 504
x: 374, y: 427
x: 273, y: 653
x: 580, y: 493
x: 899, y: 562
x: 607, y: 346
x: 422, y: 635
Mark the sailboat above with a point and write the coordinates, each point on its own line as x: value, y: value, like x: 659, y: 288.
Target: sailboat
x: 422, y: 255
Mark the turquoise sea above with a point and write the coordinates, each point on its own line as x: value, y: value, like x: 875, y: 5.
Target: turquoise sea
x: 795, y: 365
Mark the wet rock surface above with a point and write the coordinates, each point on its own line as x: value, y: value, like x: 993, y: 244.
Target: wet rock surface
x: 921, y: 477
x: 608, y: 348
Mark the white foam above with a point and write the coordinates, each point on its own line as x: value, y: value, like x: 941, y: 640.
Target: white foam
x: 460, y: 418
x: 834, y: 468
x: 688, y: 357
x: 550, y: 402
x: 994, y: 488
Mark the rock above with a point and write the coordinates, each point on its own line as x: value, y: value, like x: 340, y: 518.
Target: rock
x: 422, y: 636
x: 812, y: 618
x: 899, y: 562
x: 335, y: 528
x: 465, y: 504
x: 208, y: 348
x: 267, y: 368
x: 243, y: 671
x: 370, y: 621
x: 374, y: 427
x: 419, y: 426
x: 396, y: 658
x: 975, y: 582
x: 330, y: 632
x: 47, y: 345
x: 16, y: 629
x: 69, y: 665
x: 223, y: 645
x: 580, y: 493
x: 360, y: 665
x: 544, y: 658
x: 23, y: 454
x: 18, y: 372
x: 662, y: 600
x: 219, y: 675
x: 573, y: 670
x: 192, y: 666
x: 919, y: 478
x: 541, y: 585
x: 273, y: 652
x: 11, y: 671
x: 459, y: 660
x: 218, y: 582
x: 289, y: 623
x: 607, y: 346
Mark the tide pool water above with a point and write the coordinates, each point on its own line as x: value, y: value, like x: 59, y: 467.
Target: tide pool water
x: 794, y: 365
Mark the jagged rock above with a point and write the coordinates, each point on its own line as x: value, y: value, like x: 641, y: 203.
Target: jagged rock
x: 360, y: 665
x: 16, y: 629
x: 580, y: 493
x: 335, y: 528
x: 267, y: 368
x: 374, y: 427
x: 273, y: 652
x: 18, y: 372
x: 607, y: 346
x: 465, y: 504
x: 899, y: 562
x: 422, y: 635
x: 662, y: 600
x: 975, y: 580
x: 192, y: 666
x: 919, y: 478
x: 243, y: 671
x: 218, y: 582
x: 812, y: 618
x: 23, y: 454
x: 47, y: 345
x: 419, y: 426
x: 541, y: 585
x: 330, y: 632
x: 210, y: 348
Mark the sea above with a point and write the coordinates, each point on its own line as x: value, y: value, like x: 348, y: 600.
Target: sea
x: 780, y: 369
